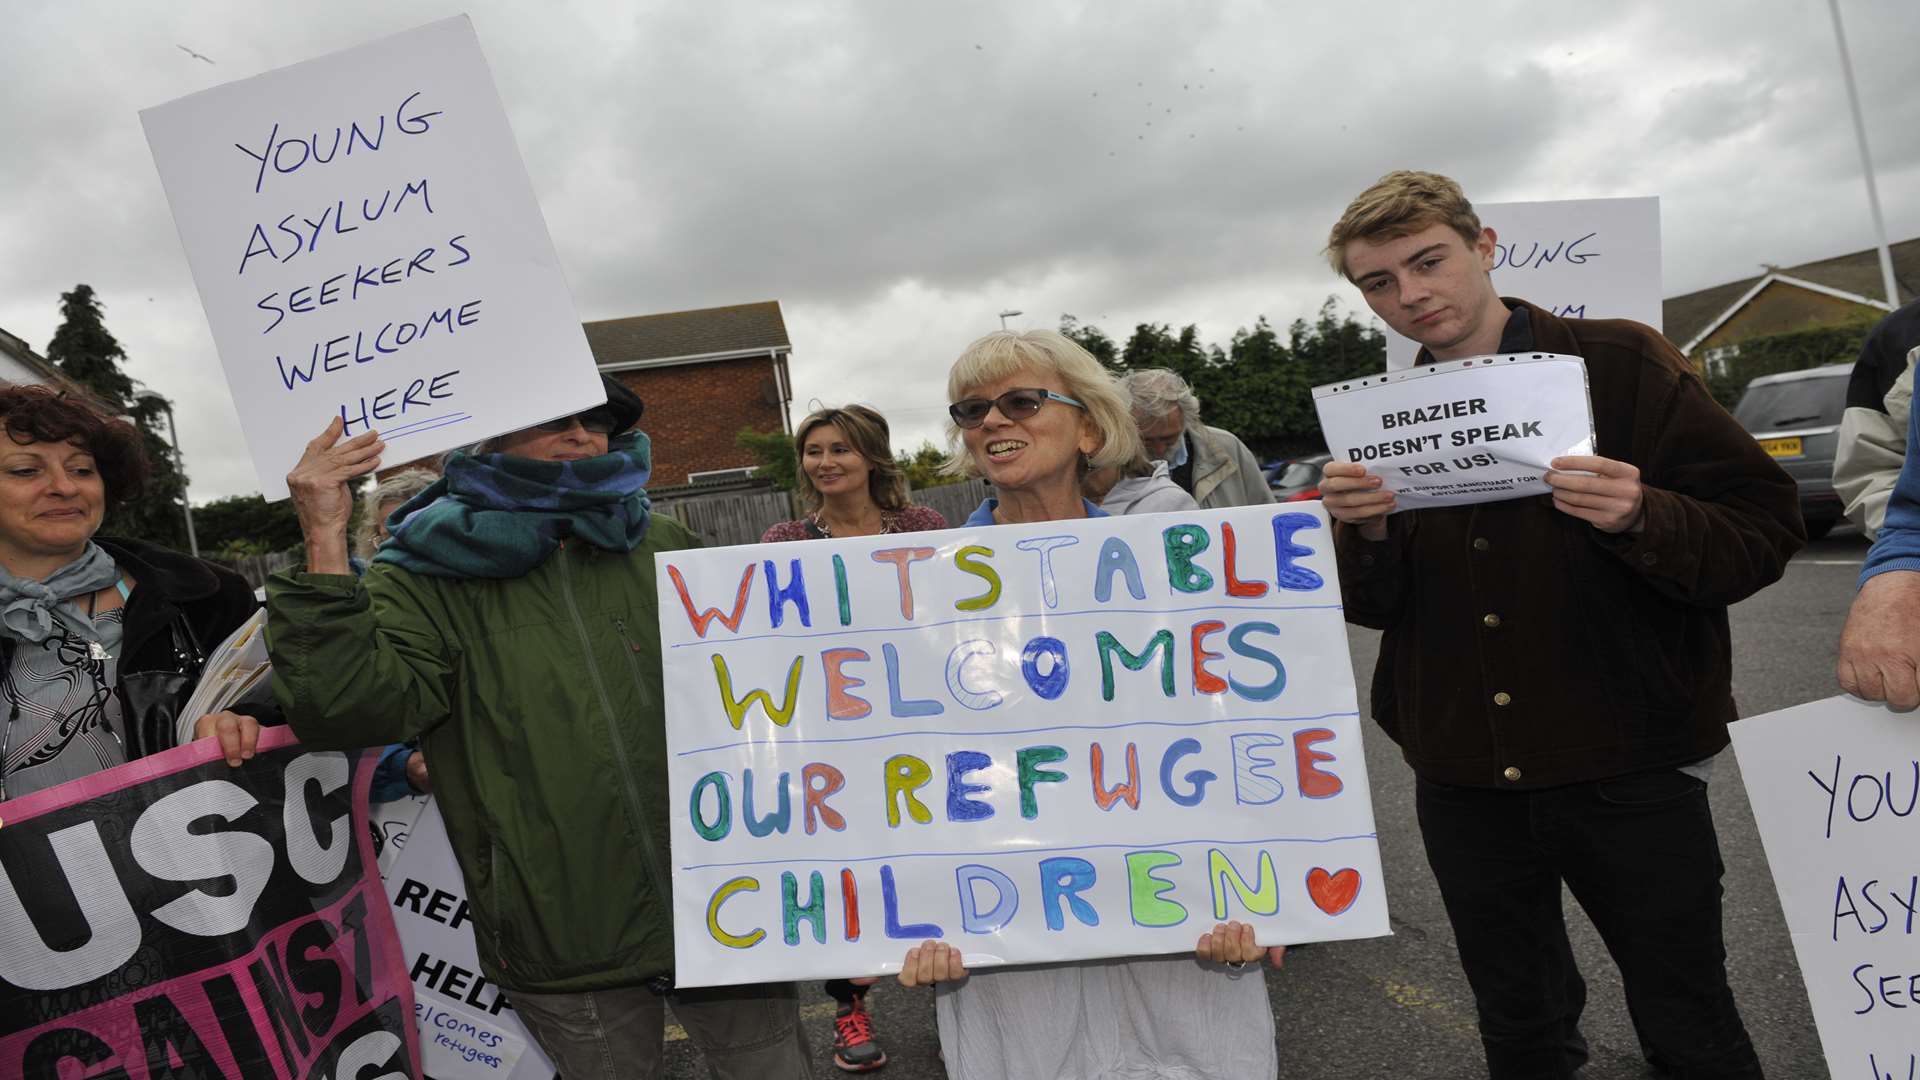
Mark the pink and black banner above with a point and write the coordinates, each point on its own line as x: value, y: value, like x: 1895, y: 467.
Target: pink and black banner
x: 179, y: 918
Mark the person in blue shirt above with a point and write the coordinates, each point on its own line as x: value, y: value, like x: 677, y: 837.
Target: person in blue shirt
x: 1880, y: 646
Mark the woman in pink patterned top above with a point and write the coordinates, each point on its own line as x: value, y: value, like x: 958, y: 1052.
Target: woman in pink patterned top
x: 849, y: 481
x: 851, y: 486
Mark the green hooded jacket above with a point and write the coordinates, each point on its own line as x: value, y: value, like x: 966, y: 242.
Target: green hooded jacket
x: 538, y: 704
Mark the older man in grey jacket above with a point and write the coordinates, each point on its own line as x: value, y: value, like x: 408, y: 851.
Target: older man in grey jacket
x: 1212, y: 465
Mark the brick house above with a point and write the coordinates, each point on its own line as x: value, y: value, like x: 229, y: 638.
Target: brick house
x: 704, y: 375
x: 1820, y: 293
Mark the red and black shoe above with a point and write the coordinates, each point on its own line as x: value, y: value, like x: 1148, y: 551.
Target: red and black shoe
x: 854, y: 1047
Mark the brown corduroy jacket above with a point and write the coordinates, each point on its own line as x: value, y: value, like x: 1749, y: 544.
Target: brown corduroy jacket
x: 1525, y: 648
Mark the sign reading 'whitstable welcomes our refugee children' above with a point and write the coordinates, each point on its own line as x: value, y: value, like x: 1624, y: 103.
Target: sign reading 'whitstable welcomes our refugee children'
x: 1476, y: 430
x: 1067, y: 740
x: 366, y: 244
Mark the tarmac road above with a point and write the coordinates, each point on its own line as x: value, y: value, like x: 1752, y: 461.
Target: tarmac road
x: 1399, y: 1007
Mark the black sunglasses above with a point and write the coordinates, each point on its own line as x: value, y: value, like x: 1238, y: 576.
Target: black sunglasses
x: 593, y: 421
x: 1014, y: 405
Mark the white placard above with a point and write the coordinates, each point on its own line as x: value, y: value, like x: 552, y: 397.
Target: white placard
x: 1466, y: 431
x: 1578, y: 258
x: 1038, y: 742
x: 468, y: 1030
x: 1833, y: 785
x: 366, y: 244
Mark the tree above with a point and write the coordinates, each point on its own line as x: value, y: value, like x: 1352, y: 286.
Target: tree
x: 922, y: 466
x: 1090, y: 338
x: 1259, y: 387
x: 774, y: 449
x: 246, y: 524
x: 86, y: 352
x: 1731, y: 368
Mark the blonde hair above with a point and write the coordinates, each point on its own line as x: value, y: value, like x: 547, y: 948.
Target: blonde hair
x: 1398, y: 204
x: 397, y: 488
x: 1046, y: 352
x: 870, y: 437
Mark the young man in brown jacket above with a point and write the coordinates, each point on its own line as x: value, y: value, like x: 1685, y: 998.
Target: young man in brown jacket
x: 1556, y: 669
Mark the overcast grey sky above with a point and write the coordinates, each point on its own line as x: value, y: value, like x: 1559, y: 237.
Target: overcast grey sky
x: 897, y: 173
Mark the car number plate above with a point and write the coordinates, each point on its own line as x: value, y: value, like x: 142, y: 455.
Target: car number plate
x: 1783, y: 447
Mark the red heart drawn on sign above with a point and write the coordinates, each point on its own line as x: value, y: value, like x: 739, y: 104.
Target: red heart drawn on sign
x: 1333, y: 893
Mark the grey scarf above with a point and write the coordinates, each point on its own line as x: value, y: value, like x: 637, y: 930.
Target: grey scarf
x: 29, y: 610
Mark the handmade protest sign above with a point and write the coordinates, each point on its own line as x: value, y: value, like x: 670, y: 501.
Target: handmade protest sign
x: 467, y: 1026
x: 1466, y: 431
x: 1836, y: 815
x: 1039, y: 742
x: 366, y: 244
x: 1578, y: 258
x: 176, y: 916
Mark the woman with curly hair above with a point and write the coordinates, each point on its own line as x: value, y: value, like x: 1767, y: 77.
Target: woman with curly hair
x: 101, y: 640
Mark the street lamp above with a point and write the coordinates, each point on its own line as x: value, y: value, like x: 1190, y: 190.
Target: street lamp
x: 1008, y: 314
x: 144, y: 394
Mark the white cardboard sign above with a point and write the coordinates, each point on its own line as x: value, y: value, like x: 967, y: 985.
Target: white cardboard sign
x: 1067, y: 740
x: 468, y: 1030
x: 1466, y: 431
x: 366, y: 244
x: 1578, y: 258
x: 1833, y: 785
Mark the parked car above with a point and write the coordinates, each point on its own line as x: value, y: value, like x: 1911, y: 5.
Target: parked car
x: 1796, y: 418
x: 1297, y: 479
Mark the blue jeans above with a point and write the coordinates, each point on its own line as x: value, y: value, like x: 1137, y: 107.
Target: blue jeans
x: 746, y: 1032
x: 1640, y: 856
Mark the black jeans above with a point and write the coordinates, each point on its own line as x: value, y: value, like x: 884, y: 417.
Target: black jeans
x: 1640, y: 856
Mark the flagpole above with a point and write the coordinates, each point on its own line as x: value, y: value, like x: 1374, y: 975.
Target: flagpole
x: 1866, y: 158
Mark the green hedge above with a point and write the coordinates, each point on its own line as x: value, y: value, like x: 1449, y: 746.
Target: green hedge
x: 1795, y: 350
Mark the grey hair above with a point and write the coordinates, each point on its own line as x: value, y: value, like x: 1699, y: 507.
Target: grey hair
x: 1156, y: 392
x: 397, y: 488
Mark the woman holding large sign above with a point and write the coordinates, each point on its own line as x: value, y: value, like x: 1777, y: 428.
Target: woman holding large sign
x: 1033, y: 412
x: 509, y: 623
x: 101, y: 640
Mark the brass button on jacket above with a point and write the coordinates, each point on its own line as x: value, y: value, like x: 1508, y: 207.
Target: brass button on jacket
x: 1490, y: 619
x: 1502, y: 698
x: 1511, y: 773
x: 1480, y: 543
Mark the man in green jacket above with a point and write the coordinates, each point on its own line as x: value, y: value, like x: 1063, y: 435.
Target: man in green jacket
x: 1557, y: 668
x: 510, y: 625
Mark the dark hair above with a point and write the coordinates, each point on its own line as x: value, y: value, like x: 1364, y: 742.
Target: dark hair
x: 33, y: 413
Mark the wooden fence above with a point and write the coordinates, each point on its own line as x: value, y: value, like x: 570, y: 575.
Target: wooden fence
x: 723, y: 520
x: 740, y: 517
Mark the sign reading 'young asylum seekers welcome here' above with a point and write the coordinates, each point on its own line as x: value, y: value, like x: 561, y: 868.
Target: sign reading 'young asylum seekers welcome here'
x: 367, y: 246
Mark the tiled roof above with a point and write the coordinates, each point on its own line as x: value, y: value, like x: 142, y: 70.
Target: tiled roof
x: 682, y: 335
x: 1687, y: 315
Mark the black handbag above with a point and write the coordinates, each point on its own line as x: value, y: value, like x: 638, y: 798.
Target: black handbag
x: 150, y: 701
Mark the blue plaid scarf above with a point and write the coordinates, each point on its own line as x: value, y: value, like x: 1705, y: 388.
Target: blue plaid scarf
x: 499, y: 516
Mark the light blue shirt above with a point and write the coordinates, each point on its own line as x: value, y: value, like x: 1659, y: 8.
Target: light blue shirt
x: 983, y: 514
x: 1898, y: 546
